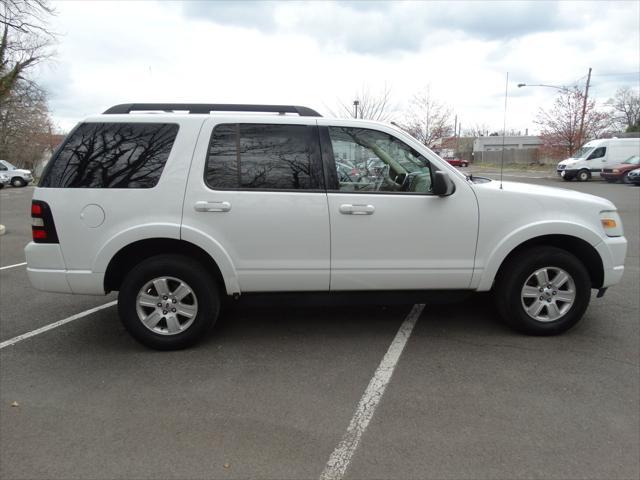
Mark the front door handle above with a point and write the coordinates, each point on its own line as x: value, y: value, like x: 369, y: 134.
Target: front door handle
x: 203, y: 206
x: 348, y: 209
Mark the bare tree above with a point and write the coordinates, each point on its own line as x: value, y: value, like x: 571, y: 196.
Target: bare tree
x: 25, y: 40
x: 560, y: 125
x: 367, y: 104
x: 626, y: 107
x: 24, y: 125
x: 477, y: 130
x: 428, y: 120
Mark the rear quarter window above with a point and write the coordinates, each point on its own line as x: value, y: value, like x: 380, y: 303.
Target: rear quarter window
x: 111, y: 155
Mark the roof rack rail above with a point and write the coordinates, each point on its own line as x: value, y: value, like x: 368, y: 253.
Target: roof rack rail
x: 211, y: 107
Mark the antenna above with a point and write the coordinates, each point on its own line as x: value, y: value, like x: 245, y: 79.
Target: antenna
x: 504, y: 127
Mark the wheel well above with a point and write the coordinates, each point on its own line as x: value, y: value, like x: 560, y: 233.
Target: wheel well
x: 129, y: 256
x: 576, y: 246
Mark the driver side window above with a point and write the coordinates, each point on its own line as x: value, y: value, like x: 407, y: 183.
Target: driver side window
x: 597, y: 153
x: 372, y: 161
x: 3, y: 166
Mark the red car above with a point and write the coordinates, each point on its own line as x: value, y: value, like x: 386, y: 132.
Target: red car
x: 456, y: 162
x: 619, y: 172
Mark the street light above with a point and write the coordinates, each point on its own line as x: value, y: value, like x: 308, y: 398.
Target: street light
x: 355, y: 104
x: 564, y: 89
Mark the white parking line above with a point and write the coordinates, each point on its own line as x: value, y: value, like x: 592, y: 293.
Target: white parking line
x: 341, y: 456
x: 53, y: 325
x: 12, y: 266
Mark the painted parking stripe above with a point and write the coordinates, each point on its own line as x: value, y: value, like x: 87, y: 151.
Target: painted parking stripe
x: 341, y: 456
x: 13, y: 266
x: 51, y: 326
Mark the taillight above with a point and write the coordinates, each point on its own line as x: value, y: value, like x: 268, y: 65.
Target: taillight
x: 43, y: 229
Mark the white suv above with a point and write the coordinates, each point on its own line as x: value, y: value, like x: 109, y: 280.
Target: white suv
x: 176, y: 210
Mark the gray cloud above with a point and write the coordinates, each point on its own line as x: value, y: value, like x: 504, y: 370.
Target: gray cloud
x: 376, y: 26
x: 251, y: 14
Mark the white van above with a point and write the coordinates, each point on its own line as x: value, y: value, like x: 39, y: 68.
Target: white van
x: 596, y: 155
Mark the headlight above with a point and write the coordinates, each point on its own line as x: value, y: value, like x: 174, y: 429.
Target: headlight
x: 615, y: 170
x: 611, y: 223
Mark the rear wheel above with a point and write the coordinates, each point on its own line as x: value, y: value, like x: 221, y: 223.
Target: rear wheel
x: 583, y: 175
x: 543, y: 291
x: 168, y: 302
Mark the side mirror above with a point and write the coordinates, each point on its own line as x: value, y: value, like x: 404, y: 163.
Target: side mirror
x: 442, y: 184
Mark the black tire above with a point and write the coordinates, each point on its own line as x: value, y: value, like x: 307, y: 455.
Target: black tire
x: 204, y: 289
x: 18, y: 182
x: 583, y: 175
x: 511, y: 281
x: 625, y: 178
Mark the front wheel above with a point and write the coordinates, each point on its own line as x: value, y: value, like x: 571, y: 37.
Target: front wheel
x: 543, y: 291
x: 168, y: 302
x: 583, y: 175
x: 18, y: 182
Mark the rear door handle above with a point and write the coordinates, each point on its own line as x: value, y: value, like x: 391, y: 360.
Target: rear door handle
x: 203, y: 206
x: 348, y: 209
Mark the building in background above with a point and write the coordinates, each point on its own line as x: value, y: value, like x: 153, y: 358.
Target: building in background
x: 516, y: 142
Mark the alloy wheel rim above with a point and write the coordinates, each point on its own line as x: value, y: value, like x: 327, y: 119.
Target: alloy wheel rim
x: 166, y: 305
x: 548, y: 294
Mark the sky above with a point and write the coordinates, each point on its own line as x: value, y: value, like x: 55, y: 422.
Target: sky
x: 320, y: 53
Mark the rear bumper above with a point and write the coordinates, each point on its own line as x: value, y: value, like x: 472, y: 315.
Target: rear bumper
x: 46, y: 271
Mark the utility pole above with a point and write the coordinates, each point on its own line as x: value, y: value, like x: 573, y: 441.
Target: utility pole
x: 455, y: 133
x: 584, y: 109
x: 355, y: 104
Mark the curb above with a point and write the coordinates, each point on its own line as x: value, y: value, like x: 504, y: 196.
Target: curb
x: 3, y: 230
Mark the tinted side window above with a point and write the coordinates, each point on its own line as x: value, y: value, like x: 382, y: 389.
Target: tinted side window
x: 598, y: 153
x: 261, y: 156
x: 112, y: 155
x: 372, y: 161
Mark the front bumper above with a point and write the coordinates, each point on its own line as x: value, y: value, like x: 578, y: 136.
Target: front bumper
x: 612, y: 251
x: 566, y: 173
x: 611, y: 176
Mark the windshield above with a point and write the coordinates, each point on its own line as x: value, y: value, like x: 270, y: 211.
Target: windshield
x: 582, y: 152
x: 635, y: 160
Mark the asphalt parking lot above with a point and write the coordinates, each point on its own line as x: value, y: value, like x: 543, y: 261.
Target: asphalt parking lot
x: 272, y: 392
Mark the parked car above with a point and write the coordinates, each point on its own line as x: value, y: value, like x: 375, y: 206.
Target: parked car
x: 18, y: 177
x: 620, y: 172
x: 456, y: 162
x: 4, y: 180
x: 596, y: 155
x: 634, y: 176
x: 177, y: 210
